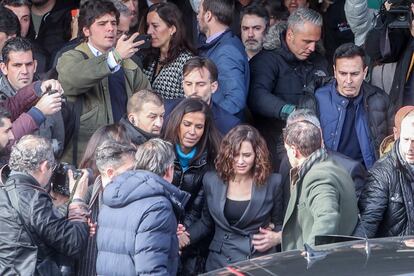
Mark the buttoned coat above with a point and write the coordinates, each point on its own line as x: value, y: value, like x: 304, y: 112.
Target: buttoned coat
x: 232, y: 243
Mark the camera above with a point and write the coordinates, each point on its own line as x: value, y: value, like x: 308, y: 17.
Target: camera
x: 400, y: 15
x: 50, y: 92
x: 60, y: 178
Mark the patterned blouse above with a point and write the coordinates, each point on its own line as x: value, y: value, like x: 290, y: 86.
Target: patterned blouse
x: 168, y: 82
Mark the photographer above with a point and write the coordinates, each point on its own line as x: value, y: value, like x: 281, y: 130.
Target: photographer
x: 33, y: 232
x: 388, y: 43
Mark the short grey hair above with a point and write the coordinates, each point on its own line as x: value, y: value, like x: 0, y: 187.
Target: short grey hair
x: 302, y: 15
x: 27, y: 155
x: 121, y: 7
x: 155, y: 155
x: 111, y: 153
x: 304, y: 135
x: 303, y: 114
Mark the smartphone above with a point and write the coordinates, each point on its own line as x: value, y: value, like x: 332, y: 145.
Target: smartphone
x: 147, y: 41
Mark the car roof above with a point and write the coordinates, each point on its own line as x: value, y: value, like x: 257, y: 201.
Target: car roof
x: 384, y: 256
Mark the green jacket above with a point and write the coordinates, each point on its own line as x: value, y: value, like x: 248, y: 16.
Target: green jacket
x: 323, y: 202
x: 88, y: 78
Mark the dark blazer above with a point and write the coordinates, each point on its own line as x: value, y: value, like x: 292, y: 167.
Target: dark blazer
x: 223, y: 120
x: 232, y: 243
x: 354, y: 168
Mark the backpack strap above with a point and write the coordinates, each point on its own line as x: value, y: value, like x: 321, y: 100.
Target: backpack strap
x: 77, y: 110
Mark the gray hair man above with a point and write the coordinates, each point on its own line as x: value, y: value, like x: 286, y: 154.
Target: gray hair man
x: 323, y: 187
x: 290, y: 63
x: 142, y: 202
x: 27, y: 214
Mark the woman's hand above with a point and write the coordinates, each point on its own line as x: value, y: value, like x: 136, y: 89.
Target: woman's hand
x: 183, y: 239
x: 266, y: 239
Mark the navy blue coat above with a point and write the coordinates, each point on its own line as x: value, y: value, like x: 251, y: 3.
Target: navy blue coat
x: 137, y: 226
x: 228, y: 53
x: 373, y: 120
x: 223, y: 120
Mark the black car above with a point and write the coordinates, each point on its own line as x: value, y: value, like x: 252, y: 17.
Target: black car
x: 383, y: 256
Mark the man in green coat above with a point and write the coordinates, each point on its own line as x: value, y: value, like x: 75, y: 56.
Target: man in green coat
x: 322, y: 200
x: 100, y: 71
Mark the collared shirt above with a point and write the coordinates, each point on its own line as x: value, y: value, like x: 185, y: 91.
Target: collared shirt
x: 113, y: 66
x: 214, y: 36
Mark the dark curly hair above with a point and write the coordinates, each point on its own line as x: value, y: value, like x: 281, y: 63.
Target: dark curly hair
x: 230, y: 147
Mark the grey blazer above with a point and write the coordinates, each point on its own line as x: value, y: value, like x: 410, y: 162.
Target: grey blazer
x: 232, y: 243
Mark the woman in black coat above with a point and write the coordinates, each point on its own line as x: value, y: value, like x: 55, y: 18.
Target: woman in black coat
x: 191, y: 130
x: 243, y: 202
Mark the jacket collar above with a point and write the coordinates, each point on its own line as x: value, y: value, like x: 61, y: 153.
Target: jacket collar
x: 256, y: 202
x: 338, y: 98
x: 5, y: 87
x: 211, y: 44
x: 138, y: 136
x: 126, y: 63
x: 316, y: 157
x: 401, y: 163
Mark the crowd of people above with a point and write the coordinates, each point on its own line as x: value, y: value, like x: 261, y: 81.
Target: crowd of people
x: 142, y: 137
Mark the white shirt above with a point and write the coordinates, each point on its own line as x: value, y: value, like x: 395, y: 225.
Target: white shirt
x: 113, y: 66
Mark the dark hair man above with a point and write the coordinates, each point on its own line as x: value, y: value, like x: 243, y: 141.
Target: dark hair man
x: 254, y: 23
x: 50, y: 26
x: 145, y: 116
x: 18, y: 68
x: 324, y: 190
x: 107, y: 78
x: 200, y: 80
x: 142, y: 202
x: 21, y: 8
x: 355, y: 116
x: 386, y: 202
x: 227, y: 52
x: 28, y: 216
x: 9, y: 26
x: 279, y: 73
x: 6, y: 134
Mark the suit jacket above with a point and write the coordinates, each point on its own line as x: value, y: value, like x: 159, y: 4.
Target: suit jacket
x: 232, y: 243
x: 322, y: 202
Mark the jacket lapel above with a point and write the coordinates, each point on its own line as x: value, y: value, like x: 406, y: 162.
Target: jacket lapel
x: 255, y: 204
x: 293, y: 197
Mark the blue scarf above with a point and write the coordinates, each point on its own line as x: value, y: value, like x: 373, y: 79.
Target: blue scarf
x: 185, y: 158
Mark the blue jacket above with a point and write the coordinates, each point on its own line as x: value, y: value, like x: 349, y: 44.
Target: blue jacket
x: 137, y: 226
x: 228, y: 53
x: 223, y: 120
x: 373, y: 120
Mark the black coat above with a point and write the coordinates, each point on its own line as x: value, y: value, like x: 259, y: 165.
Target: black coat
x: 55, y: 28
x: 386, y: 204
x: 52, y: 233
x: 190, y: 181
x: 277, y: 78
x: 233, y: 243
x: 136, y: 135
x: 354, y: 168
